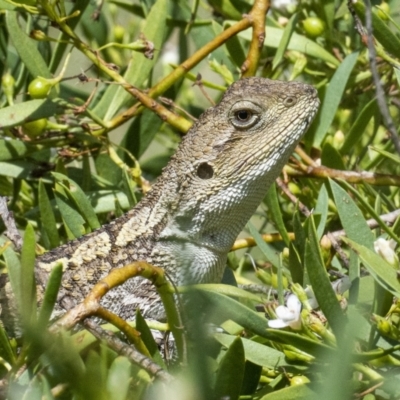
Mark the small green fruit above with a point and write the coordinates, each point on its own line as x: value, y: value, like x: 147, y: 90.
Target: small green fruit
x: 314, y: 26
x: 299, y: 380
x: 35, y: 128
x: 383, y: 11
x: 39, y: 88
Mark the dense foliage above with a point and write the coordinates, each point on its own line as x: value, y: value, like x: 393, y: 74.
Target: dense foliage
x: 81, y: 140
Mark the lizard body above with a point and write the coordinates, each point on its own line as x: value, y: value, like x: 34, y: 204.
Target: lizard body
x: 191, y: 217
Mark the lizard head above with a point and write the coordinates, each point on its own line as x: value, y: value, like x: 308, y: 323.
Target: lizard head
x: 257, y: 121
x: 233, y: 152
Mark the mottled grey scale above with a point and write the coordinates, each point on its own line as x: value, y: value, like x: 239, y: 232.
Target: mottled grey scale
x: 189, y: 220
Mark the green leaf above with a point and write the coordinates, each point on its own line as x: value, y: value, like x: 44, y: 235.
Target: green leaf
x: 269, y: 252
x: 4, y: 5
x: 297, y: 42
x: 283, y: 44
x: 382, y: 271
x: 47, y: 217
x: 397, y: 74
x: 26, y: 48
x: 236, y: 51
x: 320, y: 282
x: 295, y: 266
x: 6, y: 351
x: 321, y: 208
x: 129, y: 188
x: 13, y: 148
x: 141, y: 132
x: 73, y: 221
x: 273, y: 205
x: 331, y: 158
x: 16, y: 169
x: 371, y: 211
x: 30, y: 110
x: 28, y: 285
x: 355, y: 132
x: 332, y: 98
x: 257, y: 353
x: 230, y: 372
x: 50, y: 295
x: 79, y: 198
x: 228, y: 290
x: 297, y: 392
x: 148, y: 339
x: 351, y: 217
x: 118, y: 380
x: 390, y: 156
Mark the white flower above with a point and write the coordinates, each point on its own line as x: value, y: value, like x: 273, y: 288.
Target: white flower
x: 385, y: 248
x: 288, y: 315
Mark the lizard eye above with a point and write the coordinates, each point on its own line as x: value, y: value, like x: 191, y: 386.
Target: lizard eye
x: 244, y: 119
x: 243, y: 115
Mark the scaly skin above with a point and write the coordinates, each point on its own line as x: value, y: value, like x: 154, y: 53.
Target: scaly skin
x: 189, y: 220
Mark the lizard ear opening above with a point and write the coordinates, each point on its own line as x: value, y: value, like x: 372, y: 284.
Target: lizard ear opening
x: 205, y: 171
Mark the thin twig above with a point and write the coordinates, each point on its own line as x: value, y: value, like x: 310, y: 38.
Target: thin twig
x: 11, y: 229
x: 380, y: 93
x: 303, y: 208
x: 172, y: 104
x: 130, y: 352
x: 198, y: 82
x: 301, y: 170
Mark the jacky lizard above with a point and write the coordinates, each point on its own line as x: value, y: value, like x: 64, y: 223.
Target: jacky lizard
x: 191, y: 217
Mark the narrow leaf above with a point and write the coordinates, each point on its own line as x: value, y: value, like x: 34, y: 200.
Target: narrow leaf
x: 28, y: 287
x: 273, y: 205
x: 79, y: 198
x: 50, y: 295
x: 148, y: 339
x: 269, y: 252
x: 382, y: 271
x: 297, y: 42
x: 351, y: 217
x: 26, y: 47
x: 47, y: 216
x: 298, y: 392
x: 257, y: 353
x: 320, y: 282
x: 73, y: 221
x: 321, y: 208
x: 333, y: 96
x: 283, y: 44
x: 356, y: 131
x: 118, y: 380
x: 230, y: 372
x: 30, y: 110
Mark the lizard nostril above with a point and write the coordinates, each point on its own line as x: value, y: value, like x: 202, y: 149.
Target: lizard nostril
x: 205, y: 171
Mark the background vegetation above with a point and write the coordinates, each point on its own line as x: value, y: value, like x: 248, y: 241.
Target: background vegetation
x: 77, y: 149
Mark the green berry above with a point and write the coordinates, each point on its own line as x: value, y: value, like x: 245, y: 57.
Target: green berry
x: 39, y: 88
x: 299, y: 380
x: 119, y: 33
x: 35, y: 128
x: 383, y: 11
x: 314, y: 26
